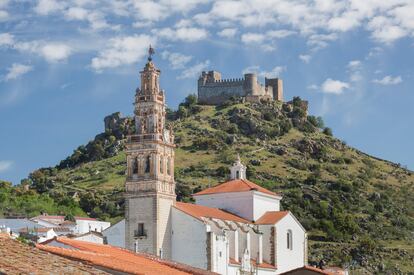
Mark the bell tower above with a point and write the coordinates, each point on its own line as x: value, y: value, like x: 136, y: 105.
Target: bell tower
x: 150, y: 186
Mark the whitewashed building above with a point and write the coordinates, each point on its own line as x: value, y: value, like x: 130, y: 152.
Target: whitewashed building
x: 115, y: 235
x: 81, y: 225
x: 235, y: 227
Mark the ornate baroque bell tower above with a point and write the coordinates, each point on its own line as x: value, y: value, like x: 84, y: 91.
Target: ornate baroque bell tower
x: 150, y: 186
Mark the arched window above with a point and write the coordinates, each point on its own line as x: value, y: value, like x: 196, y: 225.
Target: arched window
x: 168, y: 166
x: 237, y: 174
x: 147, y: 164
x: 289, y: 239
x: 135, y: 166
x: 161, y: 165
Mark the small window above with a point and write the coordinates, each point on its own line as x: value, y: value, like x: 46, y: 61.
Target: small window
x: 168, y: 166
x: 237, y: 174
x: 161, y: 165
x: 140, y: 232
x: 147, y: 164
x: 289, y: 240
x: 135, y: 166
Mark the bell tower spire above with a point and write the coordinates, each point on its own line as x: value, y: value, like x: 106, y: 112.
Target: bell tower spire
x: 150, y: 186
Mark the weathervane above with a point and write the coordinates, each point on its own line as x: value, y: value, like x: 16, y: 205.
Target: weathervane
x: 151, y: 52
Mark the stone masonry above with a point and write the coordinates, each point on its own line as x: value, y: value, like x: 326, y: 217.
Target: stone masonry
x: 214, y: 90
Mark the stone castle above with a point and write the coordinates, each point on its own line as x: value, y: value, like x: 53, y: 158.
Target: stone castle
x: 213, y: 90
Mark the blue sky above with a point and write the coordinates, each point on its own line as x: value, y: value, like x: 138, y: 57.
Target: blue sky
x: 65, y: 65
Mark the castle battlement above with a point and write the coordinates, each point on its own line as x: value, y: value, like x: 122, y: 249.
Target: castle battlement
x: 214, y: 90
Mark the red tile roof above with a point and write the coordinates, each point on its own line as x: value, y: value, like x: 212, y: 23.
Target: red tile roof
x: 19, y: 258
x: 199, y: 211
x: 271, y: 217
x: 238, y: 185
x: 118, y: 259
x: 312, y: 269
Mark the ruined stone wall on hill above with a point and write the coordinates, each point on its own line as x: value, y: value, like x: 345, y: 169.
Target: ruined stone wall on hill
x: 214, y: 93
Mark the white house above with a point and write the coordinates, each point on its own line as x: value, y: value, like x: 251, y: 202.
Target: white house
x: 92, y: 237
x: 80, y: 226
x: 115, y: 235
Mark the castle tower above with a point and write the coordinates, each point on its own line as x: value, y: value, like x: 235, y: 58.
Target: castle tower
x: 150, y: 186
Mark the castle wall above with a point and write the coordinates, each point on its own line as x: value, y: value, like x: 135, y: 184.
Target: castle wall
x: 219, y: 91
x: 213, y: 90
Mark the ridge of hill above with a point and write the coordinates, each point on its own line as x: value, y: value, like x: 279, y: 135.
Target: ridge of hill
x: 357, y: 209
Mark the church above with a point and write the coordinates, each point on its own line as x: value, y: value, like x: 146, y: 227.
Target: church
x: 235, y: 227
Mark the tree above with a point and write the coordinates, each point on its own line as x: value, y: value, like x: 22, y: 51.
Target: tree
x: 327, y: 131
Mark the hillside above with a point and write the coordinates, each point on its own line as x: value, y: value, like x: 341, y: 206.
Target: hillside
x: 358, y: 209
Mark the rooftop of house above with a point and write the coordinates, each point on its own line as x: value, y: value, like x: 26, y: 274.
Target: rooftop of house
x: 62, y: 218
x: 116, y: 259
x: 44, y: 229
x: 16, y: 224
x: 236, y: 185
x: 19, y: 258
x: 200, y: 211
x: 272, y: 217
x: 307, y: 270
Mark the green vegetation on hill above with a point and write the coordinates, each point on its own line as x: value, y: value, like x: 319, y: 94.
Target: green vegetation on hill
x: 357, y: 209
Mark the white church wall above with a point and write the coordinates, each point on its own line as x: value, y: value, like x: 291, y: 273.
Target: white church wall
x: 115, y: 235
x: 288, y: 259
x: 254, y: 245
x: 220, y: 254
x: 239, y: 203
x: 263, y: 203
x: 266, y: 230
x: 188, y: 239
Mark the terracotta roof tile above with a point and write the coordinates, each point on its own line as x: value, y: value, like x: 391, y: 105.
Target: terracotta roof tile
x: 308, y: 268
x: 271, y: 217
x: 19, y: 258
x: 239, y: 185
x: 118, y: 259
x: 199, y: 211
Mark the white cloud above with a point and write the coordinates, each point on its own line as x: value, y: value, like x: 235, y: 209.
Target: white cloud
x: 331, y: 86
x: 4, y: 3
x: 6, y: 39
x: 122, y: 51
x: 195, y: 70
x: 227, y: 33
x: 275, y: 72
x: 76, y: 13
x: 45, y: 7
x: 55, y: 52
x: 388, y: 80
x: 354, y: 64
x: 305, y: 58
x: 279, y: 33
x: 177, y: 60
x: 182, y: 34
x: 385, y: 30
x: 4, y: 15
x: 16, y: 71
x: 248, y: 38
x: 5, y: 165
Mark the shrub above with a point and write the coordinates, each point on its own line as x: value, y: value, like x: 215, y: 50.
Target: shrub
x: 327, y: 131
